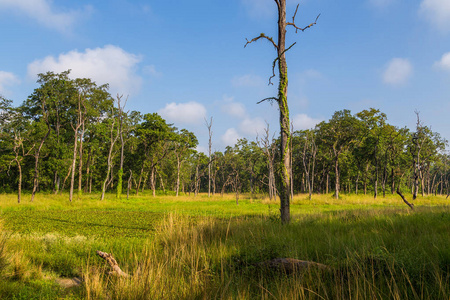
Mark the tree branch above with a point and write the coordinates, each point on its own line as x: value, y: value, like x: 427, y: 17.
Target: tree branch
x: 261, y: 36
x: 275, y: 62
x: 278, y: 3
x: 404, y: 199
x: 267, y: 99
x: 300, y: 28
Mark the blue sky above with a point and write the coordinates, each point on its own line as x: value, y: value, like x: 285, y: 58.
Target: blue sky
x: 186, y: 59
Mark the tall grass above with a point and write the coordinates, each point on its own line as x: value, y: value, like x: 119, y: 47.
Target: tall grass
x: 370, y: 256
x: 209, y: 248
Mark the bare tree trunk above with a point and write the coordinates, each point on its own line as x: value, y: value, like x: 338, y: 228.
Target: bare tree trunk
x: 88, y: 165
x: 80, y: 165
x: 336, y: 169
x: 178, y: 175
x: 110, y: 157
x: 356, y: 184
x: 74, y: 161
x: 19, y: 187
x: 152, y: 181
x: 129, y: 183
x: 196, y: 180
x: 281, y: 99
x: 393, y: 181
x: 122, y: 145
x: 36, y: 164
x: 209, y: 125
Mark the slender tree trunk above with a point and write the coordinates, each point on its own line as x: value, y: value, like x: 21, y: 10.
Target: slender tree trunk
x: 336, y: 169
x: 393, y: 181
x: 356, y: 184
x: 88, y: 165
x: 19, y: 188
x: 122, y: 145
x: 285, y: 123
x: 80, y: 164
x: 152, y: 181
x: 74, y: 161
x: 36, y: 164
x: 56, y: 183
x: 178, y: 175
x: 129, y: 183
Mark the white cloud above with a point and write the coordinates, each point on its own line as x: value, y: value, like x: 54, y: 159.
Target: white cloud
x: 230, y: 137
x: 234, y: 109
x: 303, y: 122
x: 437, y: 12
x: 109, y: 64
x: 247, y: 81
x: 184, y: 113
x: 45, y: 13
x: 444, y: 63
x: 397, y: 72
x: 7, y: 79
x: 252, y: 126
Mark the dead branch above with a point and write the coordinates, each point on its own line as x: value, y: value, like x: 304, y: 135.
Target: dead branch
x: 300, y: 28
x: 404, y: 199
x: 112, y: 263
x: 268, y: 99
x: 261, y: 36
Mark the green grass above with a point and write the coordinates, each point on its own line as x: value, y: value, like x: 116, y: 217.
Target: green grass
x: 202, y: 248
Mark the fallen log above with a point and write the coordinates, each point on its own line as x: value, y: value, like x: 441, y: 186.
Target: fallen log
x: 112, y: 263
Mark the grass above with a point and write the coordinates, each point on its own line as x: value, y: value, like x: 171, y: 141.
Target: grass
x: 207, y: 248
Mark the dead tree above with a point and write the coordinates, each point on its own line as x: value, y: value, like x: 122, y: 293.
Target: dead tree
x: 269, y: 151
x: 113, y: 139
x: 209, y: 125
x: 81, y: 114
x: 122, y: 143
x: 281, y: 99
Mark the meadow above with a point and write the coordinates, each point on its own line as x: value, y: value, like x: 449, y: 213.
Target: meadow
x: 210, y: 248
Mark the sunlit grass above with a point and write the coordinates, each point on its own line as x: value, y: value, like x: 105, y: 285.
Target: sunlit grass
x: 192, y: 247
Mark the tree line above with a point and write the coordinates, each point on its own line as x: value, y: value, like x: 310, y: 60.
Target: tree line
x: 73, y: 135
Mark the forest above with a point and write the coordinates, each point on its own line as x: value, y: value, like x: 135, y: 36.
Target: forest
x: 71, y: 135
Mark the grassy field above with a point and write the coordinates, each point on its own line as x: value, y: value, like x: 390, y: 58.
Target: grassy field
x: 210, y: 248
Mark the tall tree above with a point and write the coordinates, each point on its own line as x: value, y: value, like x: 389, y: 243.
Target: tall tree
x: 120, y: 116
x: 209, y: 125
x: 281, y: 99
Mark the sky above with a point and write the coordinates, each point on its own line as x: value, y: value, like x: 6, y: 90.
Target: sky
x: 186, y: 59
